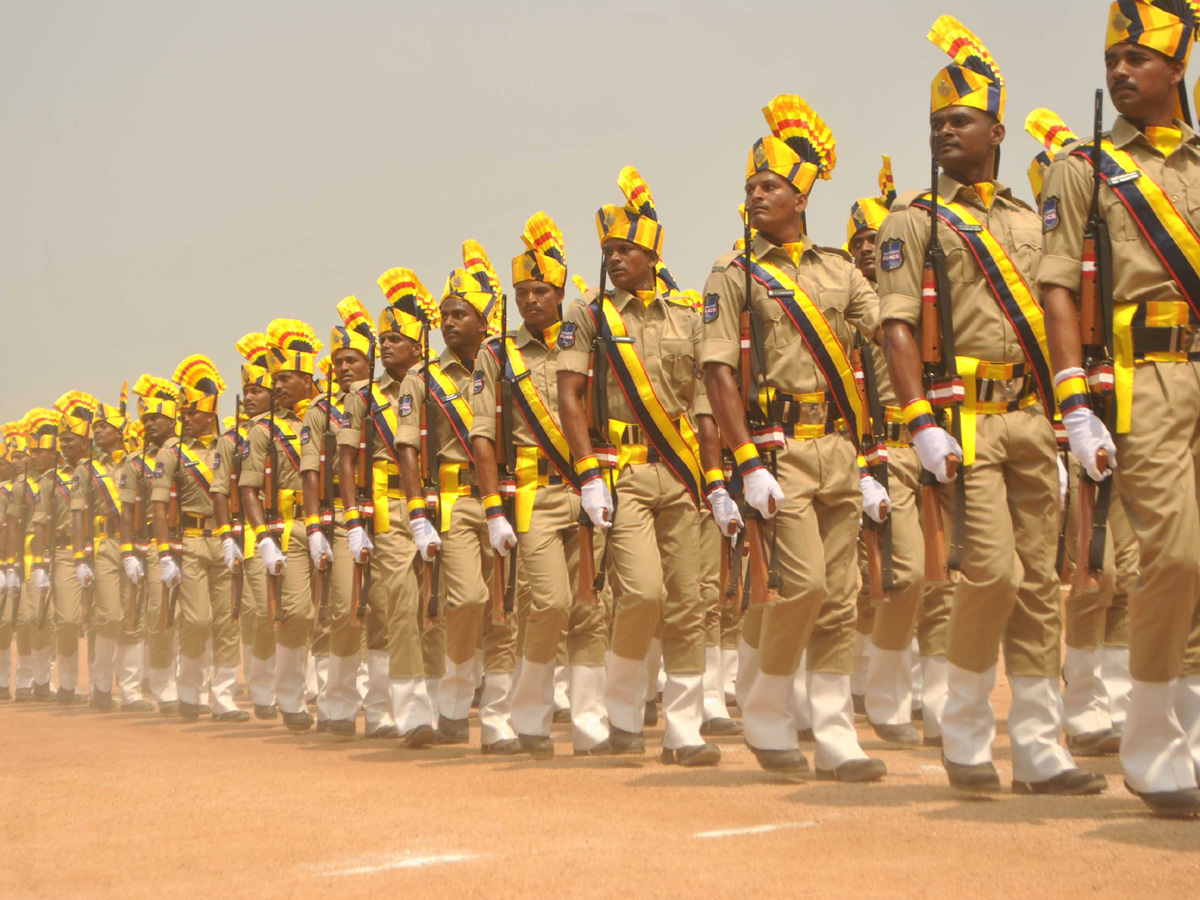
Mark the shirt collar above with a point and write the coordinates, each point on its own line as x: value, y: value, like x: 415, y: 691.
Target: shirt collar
x: 762, y: 246
x: 951, y: 188
x: 1125, y: 133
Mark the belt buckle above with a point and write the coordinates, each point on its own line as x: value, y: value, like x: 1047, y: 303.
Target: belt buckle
x: 1011, y: 388
x: 814, y: 413
x: 1193, y: 345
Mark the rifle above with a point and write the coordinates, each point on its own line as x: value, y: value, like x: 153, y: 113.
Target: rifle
x: 364, y: 484
x: 141, y: 547
x: 1095, y: 331
x: 877, y: 536
x: 944, y: 388
x: 504, y: 591
x: 175, y: 537
x: 274, y: 520
x: 602, y: 447
x: 51, y: 549
x: 433, y: 568
x: 325, y: 490
x: 237, y: 520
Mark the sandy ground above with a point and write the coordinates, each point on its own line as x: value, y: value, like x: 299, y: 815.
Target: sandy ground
x: 111, y: 805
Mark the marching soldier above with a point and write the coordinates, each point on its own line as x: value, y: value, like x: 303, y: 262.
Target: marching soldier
x: 280, y: 541
x: 13, y: 459
x: 195, y: 565
x: 547, y: 506
x: 469, y: 308
x: 803, y: 296
x: 1136, y: 182
x: 647, y: 344
x: 1009, y: 590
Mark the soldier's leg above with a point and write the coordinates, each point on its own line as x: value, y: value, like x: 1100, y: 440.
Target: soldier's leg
x: 131, y: 669
x: 291, y: 638
x: 1157, y: 480
x: 193, y: 621
x: 223, y: 634
x: 712, y: 548
x: 1115, y: 667
x: 161, y: 640
x: 586, y: 643
x: 864, y: 625
x: 344, y: 638
x: 260, y: 677
x: 464, y: 597
x: 68, y: 616
x: 6, y: 642
x: 411, y: 706
x: 108, y: 592
x: 936, y: 600
x: 26, y: 622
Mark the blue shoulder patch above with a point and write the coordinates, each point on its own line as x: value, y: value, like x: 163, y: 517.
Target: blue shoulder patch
x: 477, y: 383
x: 566, y: 336
x: 891, y: 255
x: 305, y: 436
x: 711, y: 308
x: 1050, y: 218
x: 406, y: 405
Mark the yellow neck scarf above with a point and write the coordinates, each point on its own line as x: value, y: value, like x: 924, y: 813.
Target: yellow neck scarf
x: 1165, y: 138
x: 987, y: 193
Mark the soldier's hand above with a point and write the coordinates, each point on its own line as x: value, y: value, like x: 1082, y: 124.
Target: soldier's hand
x: 725, y: 512
x: 168, y: 570
x: 762, y: 492
x: 934, y: 445
x: 597, y: 502
x: 233, y: 552
x: 319, y: 549
x: 875, y: 498
x: 41, y: 580
x: 1088, y: 437
x: 360, y: 544
x: 84, y: 574
x: 271, y: 556
x: 501, y: 535
x: 428, y: 540
x: 134, y: 570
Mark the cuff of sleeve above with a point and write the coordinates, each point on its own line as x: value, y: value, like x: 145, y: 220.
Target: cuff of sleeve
x: 224, y: 531
x: 747, y: 458
x: 1071, y: 393
x: 1060, y: 270
x: 573, y: 361
x: 164, y: 548
x: 587, y: 468
x: 493, y: 506
x: 259, y: 533
x: 727, y: 353
x: 918, y: 415
x: 713, y: 479
x: 352, y: 517
x: 900, y: 307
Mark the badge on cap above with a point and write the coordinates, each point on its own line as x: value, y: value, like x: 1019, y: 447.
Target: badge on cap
x: 1050, y: 218
x: 406, y: 405
x: 478, y: 383
x: 711, y: 309
x: 566, y: 336
x: 891, y: 255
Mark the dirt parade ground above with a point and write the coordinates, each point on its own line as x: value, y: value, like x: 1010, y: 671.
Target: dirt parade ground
x: 112, y: 805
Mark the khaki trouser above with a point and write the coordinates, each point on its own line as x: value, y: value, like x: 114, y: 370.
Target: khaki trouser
x: 712, y: 547
x: 466, y: 578
x: 549, y: 572
x: 109, y: 591
x: 254, y: 609
x: 817, y: 529
x: 655, y: 558
x: 29, y: 636
x: 161, y: 640
x: 342, y: 624
x: 395, y: 569
x: 68, y: 605
x: 204, y: 608
x: 936, y: 601
x: 896, y: 618
x: 295, y: 592
x: 1158, y: 477
x: 1009, y: 587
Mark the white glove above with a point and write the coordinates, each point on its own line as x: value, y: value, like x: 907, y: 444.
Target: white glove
x: 360, y: 544
x: 1064, y: 482
x: 233, y: 552
x: 134, y: 570
x: 763, y: 492
x: 875, y: 498
x: 1088, y: 436
x: 501, y: 535
x: 168, y: 569
x: 271, y: 556
x: 11, y: 580
x: 933, y: 445
x: 725, y: 512
x: 41, y: 580
x: 597, y: 502
x: 429, y: 542
x: 318, y: 547
x: 84, y: 574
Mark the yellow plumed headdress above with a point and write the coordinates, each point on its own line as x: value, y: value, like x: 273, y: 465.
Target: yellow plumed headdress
x: 868, y: 213
x: 78, y: 412
x: 256, y: 350
x: 1049, y: 130
x: 477, y: 283
x: 156, y: 396
x: 294, y: 346
x: 200, y: 383
x: 41, y: 427
x: 1168, y: 26
x: 411, y: 308
x: 637, y: 220
x: 800, y: 148
x: 973, y: 79
x: 135, y: 436
x: 115, y: 415
x: 545, y: 257
x: 358, y: 332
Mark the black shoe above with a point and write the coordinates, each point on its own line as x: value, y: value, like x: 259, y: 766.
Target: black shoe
x: 189, y: 712
x: 626, y: 743
x: 65, y: 696
x: 502, y: 747
x: 233, y: 715
x: 1105, y: 742
x: 322, y: 725
x: 650, y: 718
x: 1183, y: 804
x: 699, y: 755
x: 169, y: 708
x: 860, y: 704
x: 721, y: 727
x: 265, y: 712
x: 101, y: 700
x: 453, y: 731
x: 562, y: 716
x: 343, y: 727
x: 731, y: 701
x: 536, y: 746
x: 979, y: 779
x: 420, y: 737
x: 205, y: 708
x: 785, y: 762
x: 918, y: 713
x: 604, y: 748
x: 1071, y: 783
x: 137, y: 706
x: 5, y: 696
x: 42, y: 693
x: 383, y: 732
x: 931, y: 740
x: 855, y: 771
x: 23, y: 695
x: 806, y: 736
x: 298, y: 722
x: 897, y: 734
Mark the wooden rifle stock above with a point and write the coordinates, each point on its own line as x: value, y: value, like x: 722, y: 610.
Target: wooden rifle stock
x: 585, y: 584
x: 1087, y: 578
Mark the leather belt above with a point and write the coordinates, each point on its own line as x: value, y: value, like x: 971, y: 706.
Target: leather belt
x: 1170, y: 339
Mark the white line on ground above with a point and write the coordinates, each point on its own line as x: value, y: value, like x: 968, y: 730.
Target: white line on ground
x: 933, y: 769
x: 394, y: 862
x: 754, y: 829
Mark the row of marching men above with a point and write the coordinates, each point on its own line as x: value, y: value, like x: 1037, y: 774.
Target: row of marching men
x: 688, y: 453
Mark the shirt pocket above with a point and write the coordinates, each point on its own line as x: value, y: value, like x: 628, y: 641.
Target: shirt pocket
x: 832, y: 302
x: 678, y: 363
x: 1026, y: 251
x: 1121, y: 226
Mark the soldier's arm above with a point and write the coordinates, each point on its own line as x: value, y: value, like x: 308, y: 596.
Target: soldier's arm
x: 78, y: 507
x: 863, y: 309
x: 573, y: 357
x: 347, y: 444
x: 252, y: 476
x: 483, y: 425
x: 160, y: 494
x: 310, y: 461
x: 900, y: 301
x: 721, y: 354
x: 226, y: 447
x: 408, y: 435
x: 1067, y: 189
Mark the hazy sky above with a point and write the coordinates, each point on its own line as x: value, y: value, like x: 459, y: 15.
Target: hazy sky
x: 176, y: 174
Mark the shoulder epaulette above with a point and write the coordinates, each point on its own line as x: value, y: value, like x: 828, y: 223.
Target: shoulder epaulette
x: 724, y: 260
x: 836, y: 251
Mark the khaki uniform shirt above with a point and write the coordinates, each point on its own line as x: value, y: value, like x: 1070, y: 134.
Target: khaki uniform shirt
x: 541, y: 359
x: 355, y: 411
x: 1138, y: 274
x: 192, y: 498
x: 228, y: 447
x: 442, y: 440
x: 314, y: 428
x: 287, y: 476
x: 830, y: 279
x: 981, y: 329
x: 668, y: 336
x: 62, y: 506
x: 115, y: 468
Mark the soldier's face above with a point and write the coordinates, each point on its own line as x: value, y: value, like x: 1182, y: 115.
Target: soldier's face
x: 108, y: 438
x: 399, y: 353
x: 349, y: 366
x: 462, y: 327
x: 197, y: 424
x: 158, y: 428
x: 291, y: 388
x: 775, y: 206
x: 630, y: 267
x: 256, y: 399
x: 966, y: 136
x: 73, y: 446
x: 539, y: 304
x: 862, y: 248
x: 43, y: 458
x: 6, y: 470
x: 1140, y: 81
